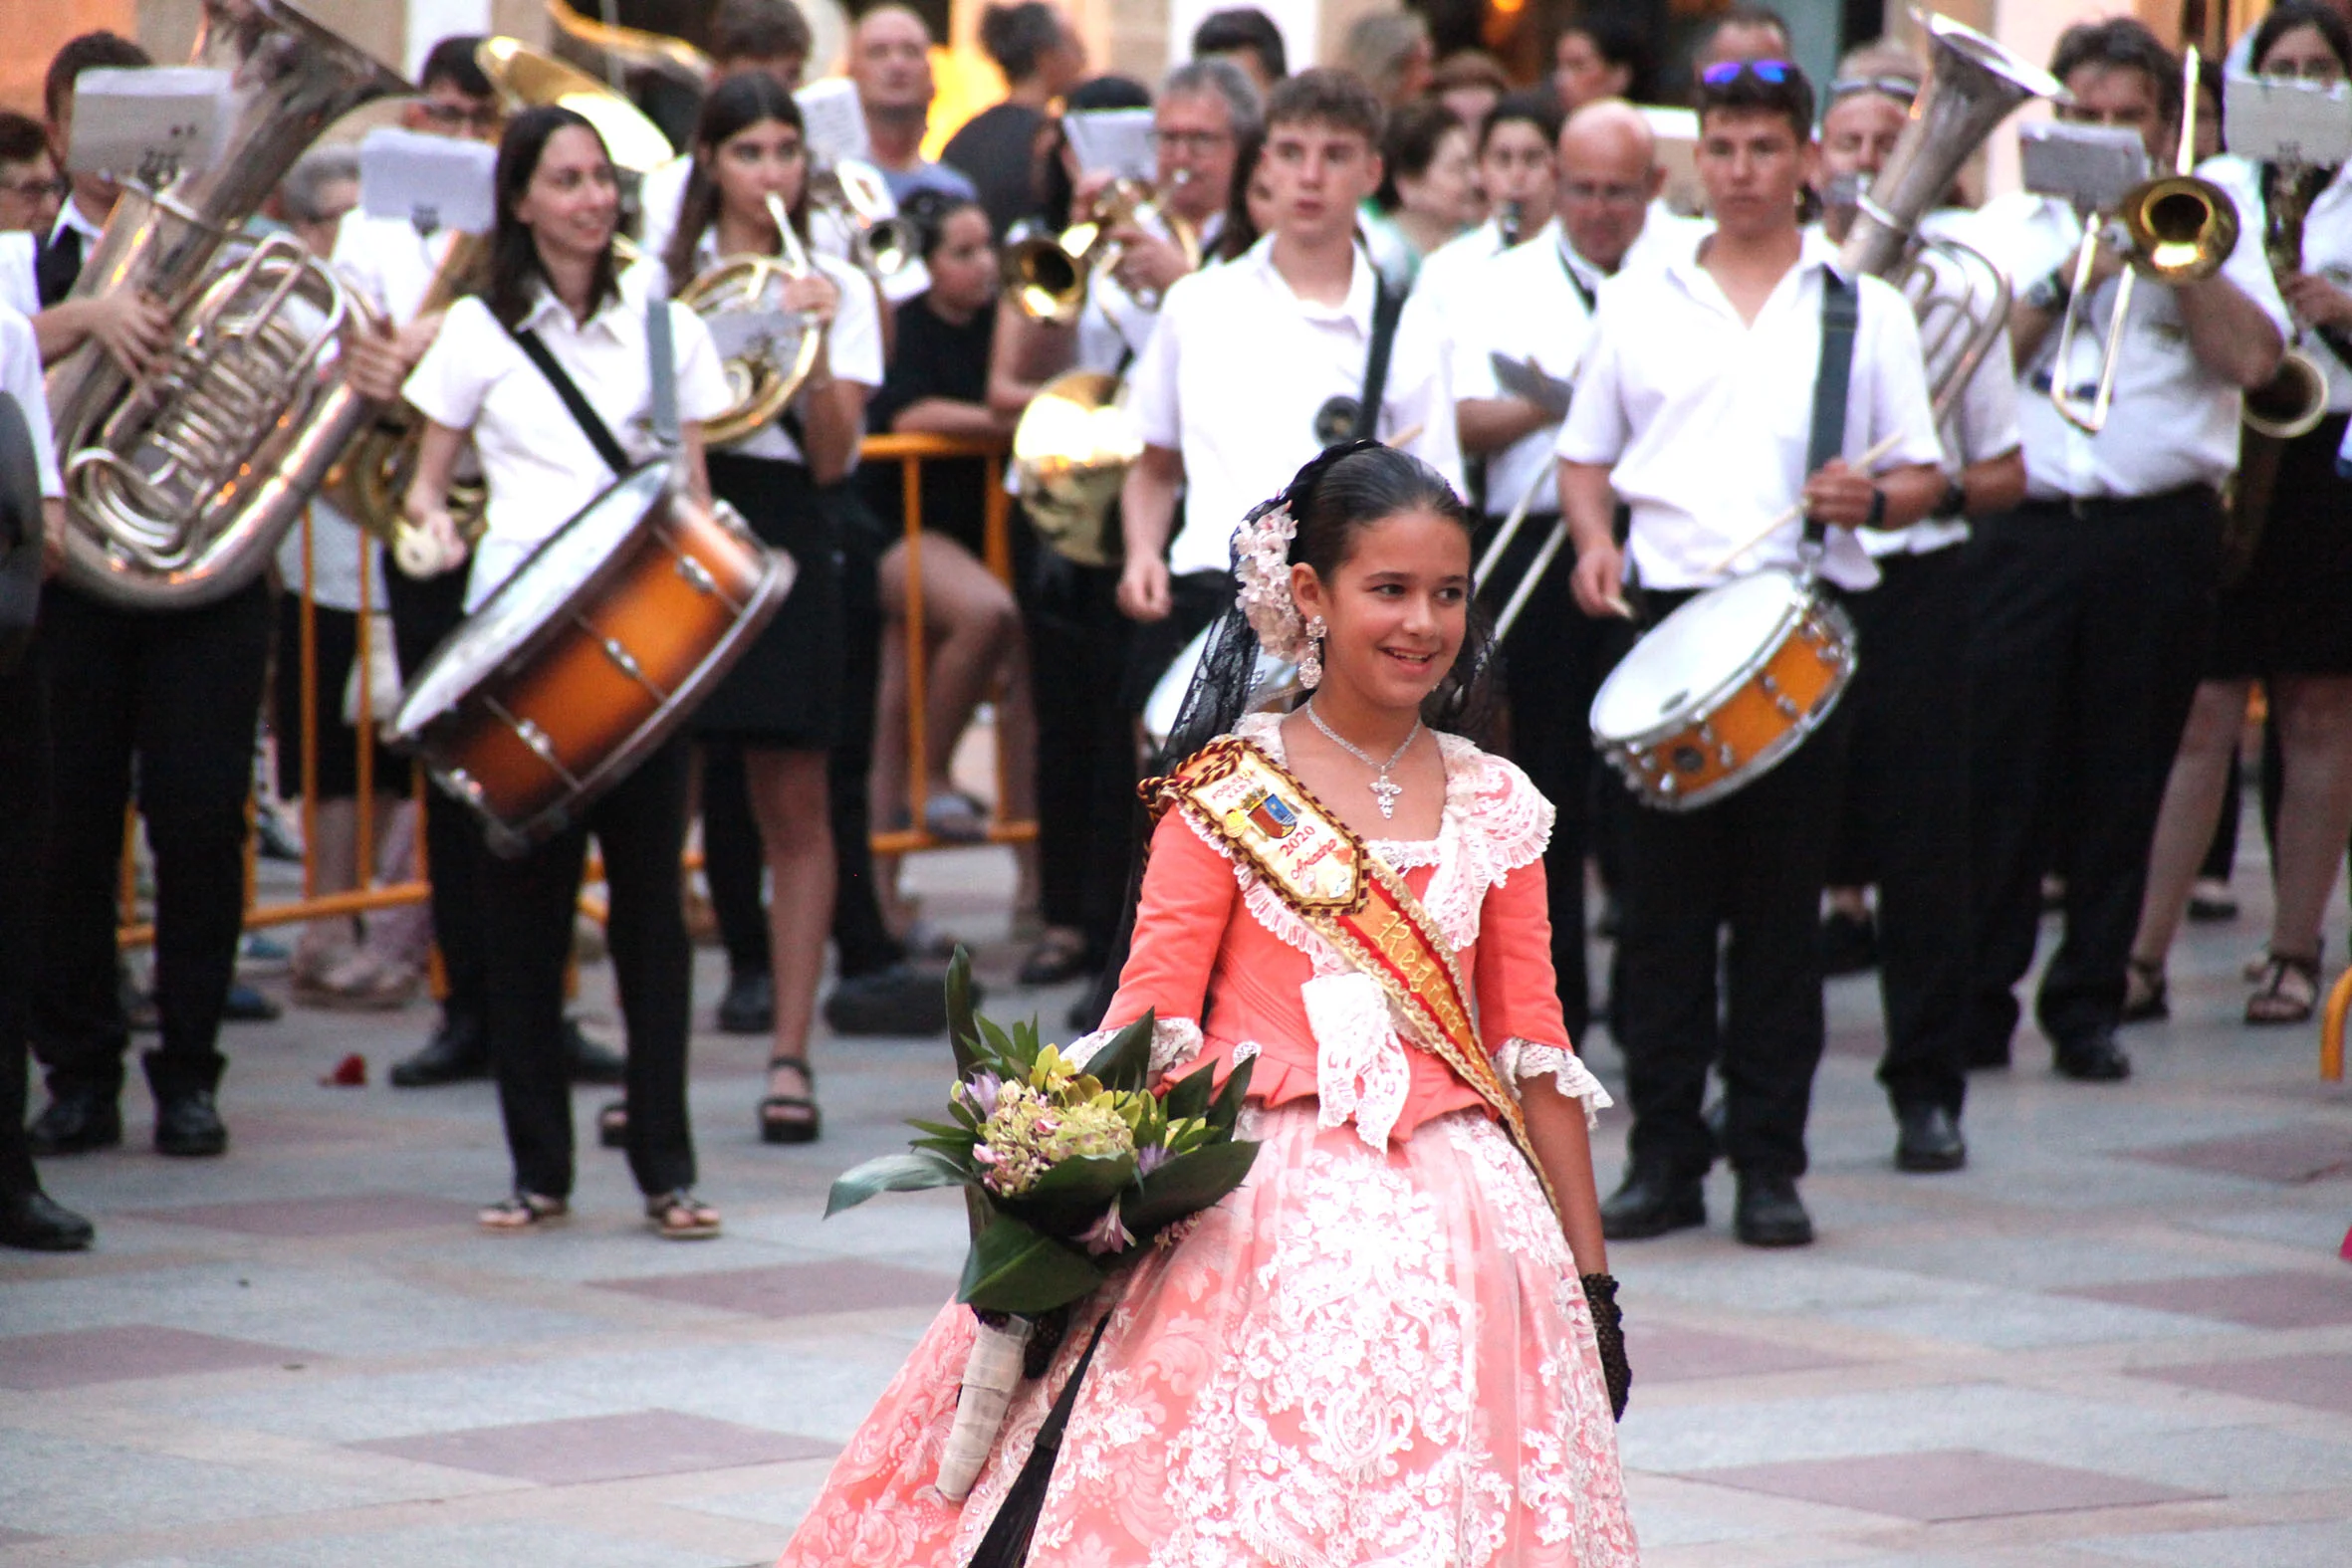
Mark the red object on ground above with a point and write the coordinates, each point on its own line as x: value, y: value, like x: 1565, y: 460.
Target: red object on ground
x: 2345, y: 1252
x: 349, y: 1073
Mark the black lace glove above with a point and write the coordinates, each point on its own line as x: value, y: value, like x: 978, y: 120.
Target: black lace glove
x: 1608, y: 1330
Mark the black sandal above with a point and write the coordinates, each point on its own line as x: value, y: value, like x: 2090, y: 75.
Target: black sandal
x: 2289, y: 992
x: 523, y: 1211
x: 2153, y: 1002
x: 679, y: 1215
x: 799, y: 1120
x: 612, y: 1125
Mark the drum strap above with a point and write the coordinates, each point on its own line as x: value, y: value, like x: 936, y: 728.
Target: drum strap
x: 1388, y: 308
x: 591, y: 424
x: 1840, y: 314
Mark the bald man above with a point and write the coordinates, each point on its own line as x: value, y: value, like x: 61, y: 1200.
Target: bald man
x: 1535, y: 303
x: 891, y: 61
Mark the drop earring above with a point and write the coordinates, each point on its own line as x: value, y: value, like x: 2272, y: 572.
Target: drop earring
x: 1310, y: 668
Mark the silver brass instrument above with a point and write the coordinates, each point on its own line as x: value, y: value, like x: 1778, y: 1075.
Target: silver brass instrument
x: 854, y: 194
x: 1961, y: 299
x: 180, y: 484
x: 2294, y: 400
x: 2181, y: 229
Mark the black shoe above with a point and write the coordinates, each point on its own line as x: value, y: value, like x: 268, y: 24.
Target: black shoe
x: 38, y: 1224
x: 1980, y: 1058
x: 592, y: 1061
x: 457, y: 1051
x: 1652, y: 1203
x: 749, y: 1007
x: 901, y: 999
x: 75, y: 1122
x: 248, y: 1006
x: 187, y: 1127
x: 1928, y: 1138
x: 1849, y: 942
x: 2095, y: 1059
x: 1770, y: 1214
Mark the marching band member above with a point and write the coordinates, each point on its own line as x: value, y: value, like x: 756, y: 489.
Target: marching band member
x: 1693, y: 404
x: 32, y: 192
x: 1324, y: 348
x: 553, y: 286
x: 2282, y: 617
x: 170, y: 698
x: 1249, y: 39
x: 1428, y: 194
x: 782, y: 703
x: 2091, y: 601
x: 1535, y: 303
x: 746, y: 35
x: 1906, y: 787
x: 1517, y: 170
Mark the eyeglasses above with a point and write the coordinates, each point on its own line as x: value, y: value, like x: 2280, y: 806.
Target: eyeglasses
x: 34, y: 189
x: 454, y: 117
x: 1583, y: 190
x: 1197, y: 143
x: 1725, y: 72
x: 1901, y: 89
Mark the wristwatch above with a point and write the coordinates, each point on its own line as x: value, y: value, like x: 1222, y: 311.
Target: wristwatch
x: 1877, y: 517
x: 1955, y: 499
x: 2050, y: 294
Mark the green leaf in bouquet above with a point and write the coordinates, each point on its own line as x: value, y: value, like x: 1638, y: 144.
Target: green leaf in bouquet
x: 1073, y: 1195
x: 957, y: 1149
x: 1190, y: 1095
x: 1225, y: 1108
x: 893, y: 1173
x: 1125, y: 1063
x: 1014, y: 1268
x: 998, y: 1041
x: 939, y: 1129
x: 1186, y: 1184
x: 962, y: 1036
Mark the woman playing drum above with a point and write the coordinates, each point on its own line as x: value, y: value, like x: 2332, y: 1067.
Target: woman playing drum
x: 552, y: 286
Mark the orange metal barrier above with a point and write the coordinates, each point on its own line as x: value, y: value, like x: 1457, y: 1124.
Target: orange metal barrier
x: 909, y: 451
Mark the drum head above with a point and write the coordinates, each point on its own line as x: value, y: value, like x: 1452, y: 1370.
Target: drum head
x: 1694, y: 655
x: 1271, y: 680
x: 509, y: 622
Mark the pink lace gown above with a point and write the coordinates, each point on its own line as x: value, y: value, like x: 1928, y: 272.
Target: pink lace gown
x: 1376, y: 1351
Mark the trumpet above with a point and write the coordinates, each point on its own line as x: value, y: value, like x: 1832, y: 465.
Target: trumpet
x: 854, y: 194
x: 2181, y: 229
x: 764, y: 373
x: 1047, y: 279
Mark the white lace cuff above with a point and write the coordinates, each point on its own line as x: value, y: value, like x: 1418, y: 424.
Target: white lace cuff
x: 1518, y: 1058
x: 1174, y: 1041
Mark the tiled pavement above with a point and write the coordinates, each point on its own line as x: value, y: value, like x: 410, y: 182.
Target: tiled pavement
x: 2121, y: 1337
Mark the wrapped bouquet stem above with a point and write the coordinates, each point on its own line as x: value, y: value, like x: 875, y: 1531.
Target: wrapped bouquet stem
x: 1067, y: 1171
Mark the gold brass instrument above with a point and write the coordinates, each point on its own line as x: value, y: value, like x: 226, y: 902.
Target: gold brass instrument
x: 2181, y: 229
x: 618, y: 47
x: 1960, y: 298
x: 764, y: 373
x: 526, y: 77
x: 1047, y: 279
x: 1070, y: 453
x: 854, y: 196
x: 2294, y: 400
x: 180, y: 483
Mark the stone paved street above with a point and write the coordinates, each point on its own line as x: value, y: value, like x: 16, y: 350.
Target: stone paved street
x: 2122, y: 1336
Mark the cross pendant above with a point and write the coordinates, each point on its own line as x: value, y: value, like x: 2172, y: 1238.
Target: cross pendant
x: 1386, y: 790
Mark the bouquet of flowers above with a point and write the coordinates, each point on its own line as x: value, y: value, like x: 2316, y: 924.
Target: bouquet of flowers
x: 1067, y: 1171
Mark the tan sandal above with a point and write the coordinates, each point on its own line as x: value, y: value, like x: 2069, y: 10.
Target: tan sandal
x: 2288, y: 992
x: 679, y: 1215
x: 523, y: 1211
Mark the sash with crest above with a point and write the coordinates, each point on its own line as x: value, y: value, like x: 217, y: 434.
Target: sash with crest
x: 1323, y: 873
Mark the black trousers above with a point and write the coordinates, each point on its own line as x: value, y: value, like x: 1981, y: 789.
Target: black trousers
x: 640, y: 827
x: 862, y: 942
x: 1077, y: 642
x: 424, y: 610
x: 180, y: 692
x: 1752, y: 862
x: 24, y: 825
x: 1553, y: 659
x: 1906, y: 824
x: 2088, y: 634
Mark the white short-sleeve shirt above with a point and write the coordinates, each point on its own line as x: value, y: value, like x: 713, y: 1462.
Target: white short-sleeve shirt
x: 1705, y: 421
x: 853, y: 341
x: 390, y: 263
x: 2173, y: 421
x: 20, y: 377
x: 540, y: 468
x: 1237, y: 371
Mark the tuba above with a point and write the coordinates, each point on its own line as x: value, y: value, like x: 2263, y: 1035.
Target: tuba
x: 770, y: 365
x: 1961, y: 299
x: 179, y: 485
x: 1070, y: 453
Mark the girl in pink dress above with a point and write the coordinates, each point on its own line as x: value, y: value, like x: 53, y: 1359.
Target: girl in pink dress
x: 1397, y: 1343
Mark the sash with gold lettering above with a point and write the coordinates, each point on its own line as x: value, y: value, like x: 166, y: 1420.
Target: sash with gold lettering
x: 1321, y: 870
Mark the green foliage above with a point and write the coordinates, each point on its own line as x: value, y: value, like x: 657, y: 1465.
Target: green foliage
x: 1014, y: 1268
x: 893, y: 1173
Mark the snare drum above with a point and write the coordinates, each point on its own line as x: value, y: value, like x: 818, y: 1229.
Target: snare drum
x: 591, y: 655
x: 1722, y: 689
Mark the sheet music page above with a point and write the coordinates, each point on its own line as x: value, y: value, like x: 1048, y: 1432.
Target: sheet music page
x: 148, y: 123
x: 1112, y: 141
x: 434, y: 183
x: 835, y: 122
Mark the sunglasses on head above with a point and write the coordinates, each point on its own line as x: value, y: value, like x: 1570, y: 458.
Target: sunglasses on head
x: 1725, y: 72
x: 1901, y: 89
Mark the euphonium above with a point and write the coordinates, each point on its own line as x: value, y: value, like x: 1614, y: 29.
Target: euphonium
x: 1961, y: 299
x: 1047, y: 279
x: 2294, y: 400
x: 765, y: 372
x: 180, y: 484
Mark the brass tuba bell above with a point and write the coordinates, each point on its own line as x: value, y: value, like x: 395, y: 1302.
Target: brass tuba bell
x: 1070, y: 453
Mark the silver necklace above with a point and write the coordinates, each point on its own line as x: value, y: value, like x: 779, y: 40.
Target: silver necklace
x: 1384, y: 789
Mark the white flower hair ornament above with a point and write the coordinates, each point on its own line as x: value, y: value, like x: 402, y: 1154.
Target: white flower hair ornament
x: 1261, y: 561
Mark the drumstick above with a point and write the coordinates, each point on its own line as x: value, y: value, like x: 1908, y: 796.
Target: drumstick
x: 1405, y: 437
x: 1510, y: 524
x: 1797, y: 511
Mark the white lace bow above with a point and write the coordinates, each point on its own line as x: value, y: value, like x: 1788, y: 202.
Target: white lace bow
x: 1361, y: 1067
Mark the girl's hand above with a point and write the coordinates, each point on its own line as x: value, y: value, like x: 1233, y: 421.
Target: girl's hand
x: 814, y: 296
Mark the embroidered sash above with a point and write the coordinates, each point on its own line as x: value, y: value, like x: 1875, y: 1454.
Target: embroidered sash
x: 1321, y: 870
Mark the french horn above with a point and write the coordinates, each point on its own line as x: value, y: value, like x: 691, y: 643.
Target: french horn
x: 765, y: 372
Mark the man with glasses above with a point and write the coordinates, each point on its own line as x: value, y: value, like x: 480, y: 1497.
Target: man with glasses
x: 1533, y: 306
x: 31, y: 190
x: 1205, y: 109
x: 2092, y: 599
x: 1906, y: 810
x: 1695, y: 406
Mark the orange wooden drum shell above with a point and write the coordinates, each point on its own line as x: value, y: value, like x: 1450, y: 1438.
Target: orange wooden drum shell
x: 1801, y: 673
x: 576, y: 693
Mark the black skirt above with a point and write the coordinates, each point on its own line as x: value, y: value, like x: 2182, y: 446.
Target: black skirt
x: 787, y: 690
x: 339, y: 742
x: 2290, y: 614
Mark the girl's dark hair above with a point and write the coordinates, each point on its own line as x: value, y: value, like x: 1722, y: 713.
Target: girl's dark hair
x: 737, y: 104
x: 1049, y: 182
x: 2288, y: 15
x: 1018, y: 36
x: 1414, y: 133
x: 930, y: 210
x: 1238, y: 233
x: 1618, y: 43
x: 514, y: 253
